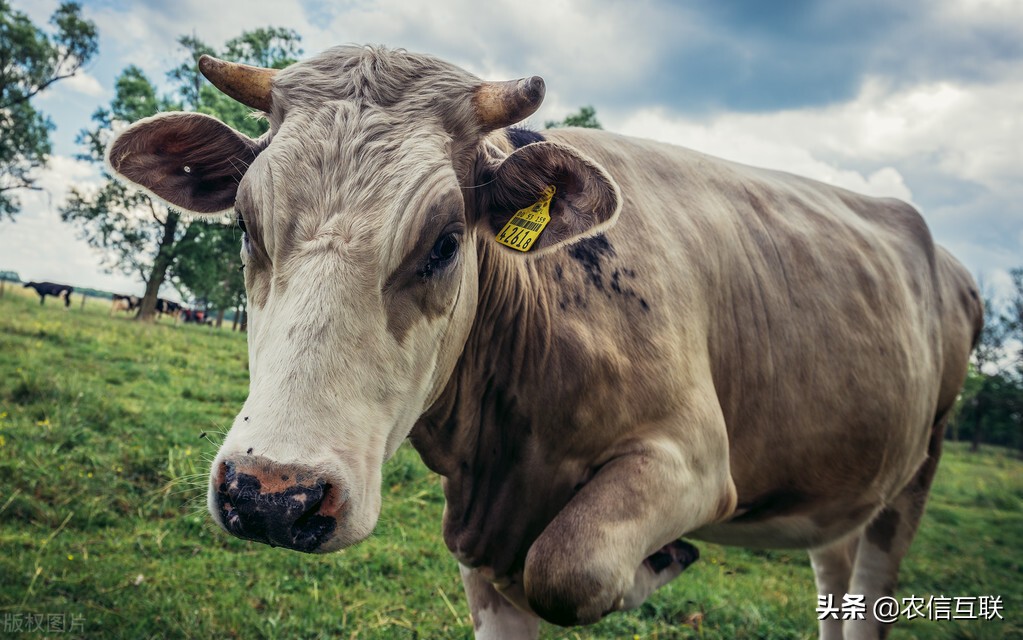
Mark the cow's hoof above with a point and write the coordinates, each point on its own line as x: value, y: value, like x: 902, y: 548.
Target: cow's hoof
x: 679, y: 553
x: 658, y: 569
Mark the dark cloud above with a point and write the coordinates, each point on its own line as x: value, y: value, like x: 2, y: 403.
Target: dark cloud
x: 766, y: 56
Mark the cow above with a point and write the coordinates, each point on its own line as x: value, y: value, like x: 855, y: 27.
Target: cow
x: 197, y: 316
x: 60, y: 291
x: 689, y: 348
x: 123, y: 303
x: 173, y: 309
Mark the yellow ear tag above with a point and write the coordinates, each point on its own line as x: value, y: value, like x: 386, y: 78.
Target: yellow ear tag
x: 525, y: 226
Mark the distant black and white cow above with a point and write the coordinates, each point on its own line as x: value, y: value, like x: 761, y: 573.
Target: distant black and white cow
x: 123, y: 303
x: 52, y: 289
x: 172, y: 309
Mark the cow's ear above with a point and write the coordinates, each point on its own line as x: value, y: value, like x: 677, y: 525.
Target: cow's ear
x: 190, y: 160
x: 586, y: 199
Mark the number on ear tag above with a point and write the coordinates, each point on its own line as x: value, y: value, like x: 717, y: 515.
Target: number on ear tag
x: 525, y: 226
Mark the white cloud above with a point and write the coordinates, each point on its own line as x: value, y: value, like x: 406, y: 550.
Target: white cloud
x: 951, y: 145
x: 955, y: 147
x: 82, y: 83
x: 39, y: 246
x: 972, y: 132
x: 588, y: 40
x: 756, y: 141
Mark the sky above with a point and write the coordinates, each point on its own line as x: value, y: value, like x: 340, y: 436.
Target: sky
x: 918, y: 99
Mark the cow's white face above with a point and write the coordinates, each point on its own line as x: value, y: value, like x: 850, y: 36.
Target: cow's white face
x: 362, y: 288
x: 362, y: 228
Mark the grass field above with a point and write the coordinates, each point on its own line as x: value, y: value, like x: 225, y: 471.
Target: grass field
x: 103, y: 526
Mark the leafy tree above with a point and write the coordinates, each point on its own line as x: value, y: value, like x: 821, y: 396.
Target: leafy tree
x: 991, y: 404
x: 136, y: 233
x: 585, y: 117
x: 1012, y: 318
x: 31, y: 61
x: 272, y: 47
x: 142, y: 235
x: 208, y: 269
x: 985, y: 360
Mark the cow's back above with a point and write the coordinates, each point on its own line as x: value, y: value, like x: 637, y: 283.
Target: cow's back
x: 834, y: 330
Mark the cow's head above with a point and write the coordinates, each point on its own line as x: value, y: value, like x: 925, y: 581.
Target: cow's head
x: 366, y: 207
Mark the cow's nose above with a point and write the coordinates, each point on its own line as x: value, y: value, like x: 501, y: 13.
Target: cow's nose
x: 280, y: 505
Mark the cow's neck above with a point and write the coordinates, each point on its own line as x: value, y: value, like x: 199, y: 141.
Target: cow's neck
x: 507, y: 346
x: 487, y: 431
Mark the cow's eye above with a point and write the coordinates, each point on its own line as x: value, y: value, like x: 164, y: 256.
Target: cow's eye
x: 444, y: 249
x: 245, y: 234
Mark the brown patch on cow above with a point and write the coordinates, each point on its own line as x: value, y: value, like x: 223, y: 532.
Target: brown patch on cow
x: 590, y: 253
x: 407, y: 296
x: 413, y: 290
x: 881, y: 532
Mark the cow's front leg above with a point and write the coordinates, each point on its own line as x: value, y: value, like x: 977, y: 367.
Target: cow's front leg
x: 658, y: 569
x: 586, y: 562
x: 493, y: 616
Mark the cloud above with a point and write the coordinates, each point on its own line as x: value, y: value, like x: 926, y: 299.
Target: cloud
x: 82, y: 83
x: 952, y: 149
x: 917, y: 99
x: 755, y: 143
x: 145, y: 33
x: 39, y: 246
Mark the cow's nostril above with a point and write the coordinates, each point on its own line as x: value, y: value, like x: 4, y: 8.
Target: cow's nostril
x: 315, y: 525
x: 256, y: 501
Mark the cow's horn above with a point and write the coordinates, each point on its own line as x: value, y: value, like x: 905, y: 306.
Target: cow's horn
x: 500, y: 104
x: 248, y: 85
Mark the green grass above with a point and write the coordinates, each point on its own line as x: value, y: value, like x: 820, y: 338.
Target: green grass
x: 102, y: 516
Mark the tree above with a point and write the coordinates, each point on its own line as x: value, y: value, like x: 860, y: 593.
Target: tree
x: 208, y: 268
x: 140, y: 234
x: 992, y: 398
x: 136, y: 232
x: 585, y: 117
x: 31, y: 61
x: 1012, y: 318
x: 985, y: 358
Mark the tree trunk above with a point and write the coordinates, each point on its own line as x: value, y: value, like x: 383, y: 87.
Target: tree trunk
x: 1, y: 288
x: 82, y: 308
x: 978, y: 417
x: 234, y: 321
x: 245, y: 321
x: 220, y: 317
x: 164, y: 257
